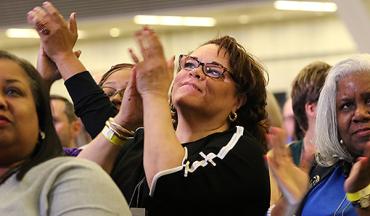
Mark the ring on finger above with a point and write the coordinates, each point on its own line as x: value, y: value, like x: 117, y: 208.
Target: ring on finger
x: 40, y: 26
x: 45, y: 31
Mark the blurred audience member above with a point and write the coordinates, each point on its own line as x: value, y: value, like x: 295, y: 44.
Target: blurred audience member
x: 115, y: 81
x: 305, y: 93
x: 66, y: 123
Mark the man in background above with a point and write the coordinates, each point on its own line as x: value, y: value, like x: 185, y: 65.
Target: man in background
x: 305, y: 93
x: 66, y: 123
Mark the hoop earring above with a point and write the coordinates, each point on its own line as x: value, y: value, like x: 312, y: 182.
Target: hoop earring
x: 173, y: 111
x: 42, y: 135
x: 233, y: 116
x: 173, y: 115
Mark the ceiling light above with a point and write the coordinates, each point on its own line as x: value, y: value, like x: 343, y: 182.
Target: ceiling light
x: 244, y: 19
x: 21, y: 33
x: 31, y: 33
x: 306, y: 6
x: 114, y: 32
x: 174, y: 20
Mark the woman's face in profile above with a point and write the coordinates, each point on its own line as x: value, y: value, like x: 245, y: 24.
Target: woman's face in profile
x: 353, y: 111
x: 18, y: 116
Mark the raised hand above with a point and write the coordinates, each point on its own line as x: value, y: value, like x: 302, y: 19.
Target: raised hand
x: 292, y: 181
x: 57, y: 36
x: 130, y: 114
x: 47, y: 68
x: 359, y: 176
x: 153, y: 74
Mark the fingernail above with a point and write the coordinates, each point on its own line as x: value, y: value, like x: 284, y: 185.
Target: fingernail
x: 360, y: 158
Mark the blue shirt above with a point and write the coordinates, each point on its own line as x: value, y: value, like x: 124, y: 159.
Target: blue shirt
x: 328, y: 197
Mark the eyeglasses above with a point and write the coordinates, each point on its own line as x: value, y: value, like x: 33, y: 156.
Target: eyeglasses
x: 213, y: 69
x: 111, y: 92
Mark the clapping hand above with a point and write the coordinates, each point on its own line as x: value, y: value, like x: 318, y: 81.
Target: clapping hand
x: 130, y: 114
x: 292, y: 181
x: 57, y: 36
x: 154, y: 74
x: 47, y: 68
x: 359, y: 176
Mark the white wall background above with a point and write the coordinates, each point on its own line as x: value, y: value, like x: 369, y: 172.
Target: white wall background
x: 283, y: 47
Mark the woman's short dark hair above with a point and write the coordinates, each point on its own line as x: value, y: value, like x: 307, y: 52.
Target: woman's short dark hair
x: 50, y: 146
x: 248, y: 75
x: 112, y: 70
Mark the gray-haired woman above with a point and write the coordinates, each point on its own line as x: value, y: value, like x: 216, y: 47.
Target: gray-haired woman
x: 340, y: 177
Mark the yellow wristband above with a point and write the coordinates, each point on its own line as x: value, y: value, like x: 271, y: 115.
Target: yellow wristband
x: 112, y: 137
x: 353, y: 197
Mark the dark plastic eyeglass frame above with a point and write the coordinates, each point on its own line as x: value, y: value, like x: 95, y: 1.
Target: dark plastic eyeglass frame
x: 204, y: 65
